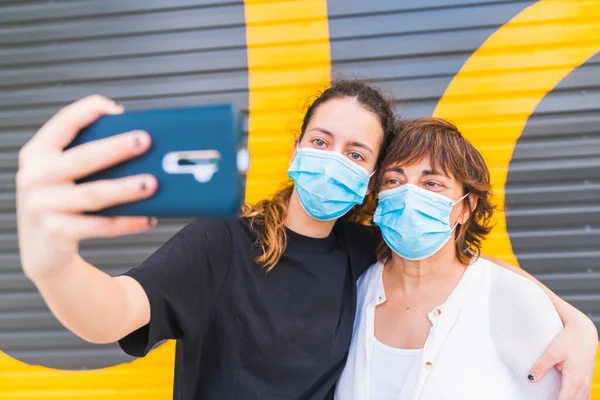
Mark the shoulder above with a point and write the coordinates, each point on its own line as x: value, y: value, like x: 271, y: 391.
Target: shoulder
x: 356, y: 231
x: 517, y: 291
x: 369, y: 282
x: 371, y: 276
x: 209, y: 228
x: 203, y: 235
x: 361, y: 240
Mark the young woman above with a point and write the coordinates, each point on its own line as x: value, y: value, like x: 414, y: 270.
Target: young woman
x: 434, y: 320
x: 262, y: 305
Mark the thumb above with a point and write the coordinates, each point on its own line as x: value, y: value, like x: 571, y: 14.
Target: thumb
x: 544, y: 364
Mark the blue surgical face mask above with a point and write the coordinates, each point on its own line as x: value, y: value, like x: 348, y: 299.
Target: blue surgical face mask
x: 328, y: 184
x: 414, y: 222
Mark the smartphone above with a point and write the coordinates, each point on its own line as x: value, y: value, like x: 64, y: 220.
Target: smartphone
x: 197, y: 157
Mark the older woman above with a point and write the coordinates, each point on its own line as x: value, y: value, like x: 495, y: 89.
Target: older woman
x: 435, y: 321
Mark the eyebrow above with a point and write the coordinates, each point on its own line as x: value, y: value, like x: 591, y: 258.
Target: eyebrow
x: 427, y: 172
x: 355, y: 144
x: 322, y: 130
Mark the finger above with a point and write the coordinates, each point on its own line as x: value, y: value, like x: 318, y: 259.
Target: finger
x: 544, y: 364
x: 94, y: 156
x: 567, y: 389
x: 91, y: 196
x: 80, y: 227
x: 61, y: 129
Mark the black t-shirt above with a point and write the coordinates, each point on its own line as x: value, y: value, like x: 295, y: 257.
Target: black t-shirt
x: 243, y: 333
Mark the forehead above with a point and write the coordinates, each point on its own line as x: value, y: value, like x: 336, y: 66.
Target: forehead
x: 422, y: 164
x: 419, y: 166
x: 346, y: 118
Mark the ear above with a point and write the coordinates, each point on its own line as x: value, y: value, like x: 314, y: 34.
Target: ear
x: 472, y: 203
x: 372, y: 184
x: 295, y: 149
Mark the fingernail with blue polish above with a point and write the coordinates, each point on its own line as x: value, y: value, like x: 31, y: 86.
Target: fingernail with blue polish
x: 531, y: 378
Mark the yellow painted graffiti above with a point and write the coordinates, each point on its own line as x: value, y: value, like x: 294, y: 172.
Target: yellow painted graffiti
x: 288, y: 60
x: 147, y: 378
x: 499, y: 87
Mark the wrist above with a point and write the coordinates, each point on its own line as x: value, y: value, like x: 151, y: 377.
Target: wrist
x: 583, y: 324
x: 47, y: 276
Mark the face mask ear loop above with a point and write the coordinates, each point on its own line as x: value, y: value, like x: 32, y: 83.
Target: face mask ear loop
x: 454, y: 227
x: 458, y: 201
x: 297, y: 150
x: 461, y: 199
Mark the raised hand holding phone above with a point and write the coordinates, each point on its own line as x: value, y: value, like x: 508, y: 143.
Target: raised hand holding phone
x: 51, y: 208
x: 90, y: 172
x: 170, y: 163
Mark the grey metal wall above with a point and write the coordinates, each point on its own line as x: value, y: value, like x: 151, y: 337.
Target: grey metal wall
x: 143, y: 53
x: 412, y: 50
x: 553, y: 191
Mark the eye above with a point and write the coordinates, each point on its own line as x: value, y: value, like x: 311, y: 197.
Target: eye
x: 433, y: 185
x: 357, y: 157
x: 319, y: 142
x: 392, y: 182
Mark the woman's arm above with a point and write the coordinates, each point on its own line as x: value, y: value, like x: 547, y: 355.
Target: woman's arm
x: 573, y: 352
x: 149, y: 303
x: 51, y: 222
x: 95, y: 306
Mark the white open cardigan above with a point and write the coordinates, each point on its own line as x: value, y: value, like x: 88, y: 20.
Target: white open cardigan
x: 484, y: 339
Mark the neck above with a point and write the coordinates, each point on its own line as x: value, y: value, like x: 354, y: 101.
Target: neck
x: 443, y: 267
x: 300, y: 222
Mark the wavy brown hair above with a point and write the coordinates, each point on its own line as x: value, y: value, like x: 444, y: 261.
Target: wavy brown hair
x: 269, y: 215
x: 450, y: 152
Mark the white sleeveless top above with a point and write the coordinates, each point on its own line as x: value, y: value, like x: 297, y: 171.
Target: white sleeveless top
x: 390, y: 368
x: 483, y: 341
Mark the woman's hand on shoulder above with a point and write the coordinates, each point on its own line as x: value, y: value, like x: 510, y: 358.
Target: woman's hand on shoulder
x: 573, y: 352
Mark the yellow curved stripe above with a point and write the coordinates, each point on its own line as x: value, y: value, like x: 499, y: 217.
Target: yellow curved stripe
x: 499, y: 87
x: 288, y: 59
x: 147, y: 378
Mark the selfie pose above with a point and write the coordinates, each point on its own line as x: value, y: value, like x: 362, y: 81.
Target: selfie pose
x: 434, y: 320
x: 262, y: 305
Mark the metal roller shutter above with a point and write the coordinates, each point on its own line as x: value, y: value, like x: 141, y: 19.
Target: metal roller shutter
x: 412, y: 49
x: 553, y: 191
